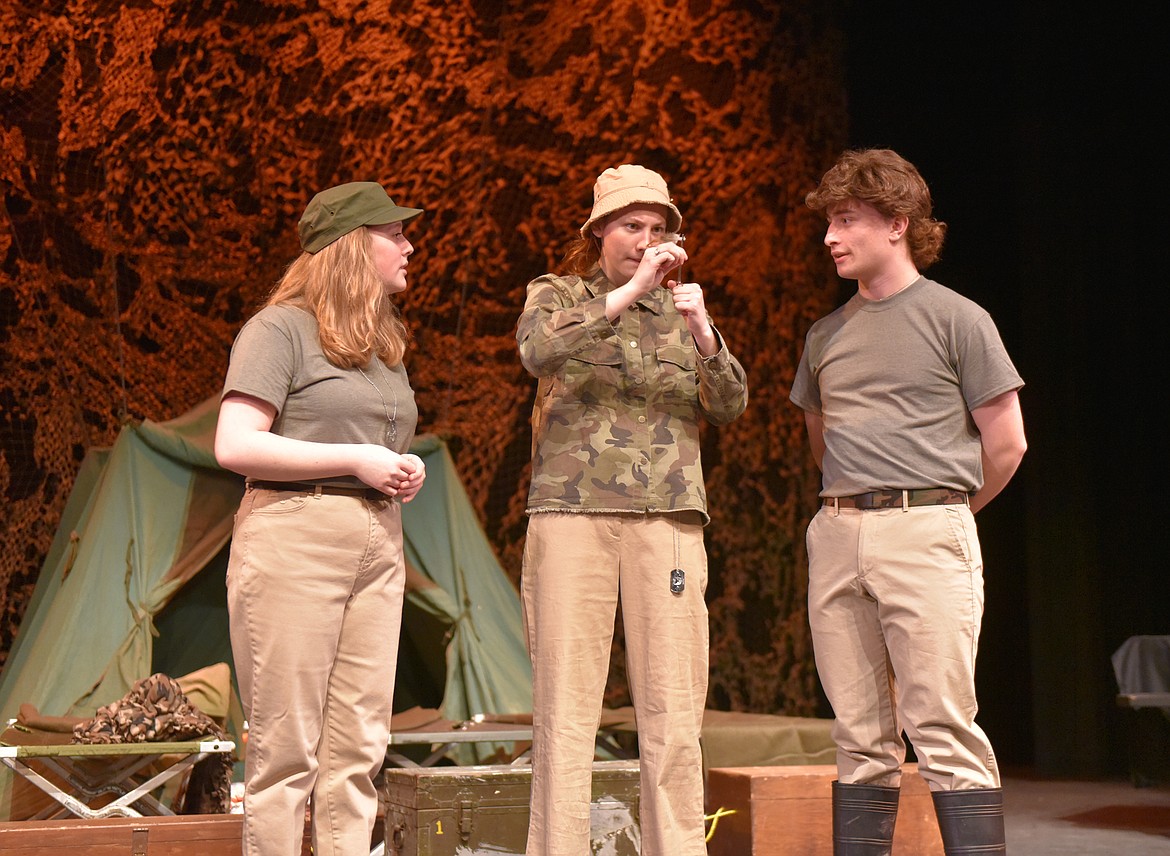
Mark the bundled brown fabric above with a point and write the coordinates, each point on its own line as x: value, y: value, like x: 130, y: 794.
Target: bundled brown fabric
x: 157, y: 711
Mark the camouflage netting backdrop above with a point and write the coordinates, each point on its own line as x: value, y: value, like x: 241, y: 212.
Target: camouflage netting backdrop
x: 155, y: 156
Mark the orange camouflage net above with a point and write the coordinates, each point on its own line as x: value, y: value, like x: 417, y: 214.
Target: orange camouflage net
x: 155, y: 156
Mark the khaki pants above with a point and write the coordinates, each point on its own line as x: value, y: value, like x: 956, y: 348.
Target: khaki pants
x: 575, y: 567
x: 895, y: 604
x: 315, y: 586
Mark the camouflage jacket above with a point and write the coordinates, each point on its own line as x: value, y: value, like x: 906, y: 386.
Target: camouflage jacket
x: 615, y: 425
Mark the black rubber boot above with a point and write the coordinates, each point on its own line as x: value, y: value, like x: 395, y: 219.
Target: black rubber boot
x: 863, y: 819
x: 971, y: 822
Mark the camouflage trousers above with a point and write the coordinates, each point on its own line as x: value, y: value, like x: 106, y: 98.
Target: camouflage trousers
x: 576, y: 566
x: 895, y: 605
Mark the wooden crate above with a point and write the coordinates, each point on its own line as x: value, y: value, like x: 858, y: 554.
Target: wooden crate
x: 184, y: 835
x: 447, y: 811
x: 788, y: 811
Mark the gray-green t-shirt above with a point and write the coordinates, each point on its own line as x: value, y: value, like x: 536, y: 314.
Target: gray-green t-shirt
x: 277, y: 358
x: 894, y: 381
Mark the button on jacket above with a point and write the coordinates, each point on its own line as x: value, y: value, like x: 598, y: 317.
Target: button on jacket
x: 615, y: 426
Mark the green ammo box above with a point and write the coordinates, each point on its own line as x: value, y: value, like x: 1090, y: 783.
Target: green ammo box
x: 458, y: 811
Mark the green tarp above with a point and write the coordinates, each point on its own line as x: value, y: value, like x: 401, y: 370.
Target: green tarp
x: 141, y: 550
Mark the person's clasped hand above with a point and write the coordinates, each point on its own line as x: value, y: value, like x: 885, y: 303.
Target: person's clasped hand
x: 393, y: 474
x: 414, y: 479
x: 657, y: 261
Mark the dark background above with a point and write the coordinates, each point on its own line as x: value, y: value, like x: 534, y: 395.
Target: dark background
x: 1041, y: 135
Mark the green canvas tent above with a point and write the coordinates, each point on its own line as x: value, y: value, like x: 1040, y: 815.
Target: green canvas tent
x: 134, y: 583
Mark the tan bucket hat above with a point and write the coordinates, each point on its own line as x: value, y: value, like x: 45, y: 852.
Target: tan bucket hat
x: 630, y: 184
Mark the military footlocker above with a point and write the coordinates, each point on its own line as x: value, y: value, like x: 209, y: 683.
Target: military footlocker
x: 468, y: 811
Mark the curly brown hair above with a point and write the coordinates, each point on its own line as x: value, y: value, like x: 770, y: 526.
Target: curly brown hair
x: 891, y: 184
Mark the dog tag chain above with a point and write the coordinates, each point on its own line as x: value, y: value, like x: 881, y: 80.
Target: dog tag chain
x: 678, y: 577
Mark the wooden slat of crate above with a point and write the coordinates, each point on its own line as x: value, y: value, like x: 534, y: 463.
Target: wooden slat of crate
x: 184, y: 835
x: 786, y: 811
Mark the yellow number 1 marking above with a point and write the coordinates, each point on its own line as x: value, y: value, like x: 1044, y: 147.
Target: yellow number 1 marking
x: 438, y: 827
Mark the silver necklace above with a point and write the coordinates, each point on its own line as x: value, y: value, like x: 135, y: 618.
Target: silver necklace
x: 678, y: 577
x: 390, y: 435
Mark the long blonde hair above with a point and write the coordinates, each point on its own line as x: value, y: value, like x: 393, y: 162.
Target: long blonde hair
x: 340, y: 286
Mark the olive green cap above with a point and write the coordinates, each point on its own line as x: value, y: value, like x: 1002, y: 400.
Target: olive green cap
x: 341, y: 209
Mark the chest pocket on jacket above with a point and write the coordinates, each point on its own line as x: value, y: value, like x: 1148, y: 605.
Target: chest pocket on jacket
x: 594, y: 375
x: 679, y: 376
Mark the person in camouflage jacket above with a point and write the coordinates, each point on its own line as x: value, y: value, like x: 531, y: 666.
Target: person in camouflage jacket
x: 627, y: 363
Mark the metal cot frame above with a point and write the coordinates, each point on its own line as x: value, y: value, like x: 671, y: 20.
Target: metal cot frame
x: 93, y: 770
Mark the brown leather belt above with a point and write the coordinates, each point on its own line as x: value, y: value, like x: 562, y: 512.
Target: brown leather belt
x: 309, y: 487
x: 895, y: 499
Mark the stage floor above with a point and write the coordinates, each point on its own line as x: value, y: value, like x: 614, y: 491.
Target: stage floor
x: 1077, y: 817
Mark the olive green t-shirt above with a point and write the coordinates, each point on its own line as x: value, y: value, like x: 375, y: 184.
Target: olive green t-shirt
x: 277, y: 358
x: 895, y: 382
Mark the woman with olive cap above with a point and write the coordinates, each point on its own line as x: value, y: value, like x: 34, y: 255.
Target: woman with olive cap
x: 628, y: 364
x: 318, y: 414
